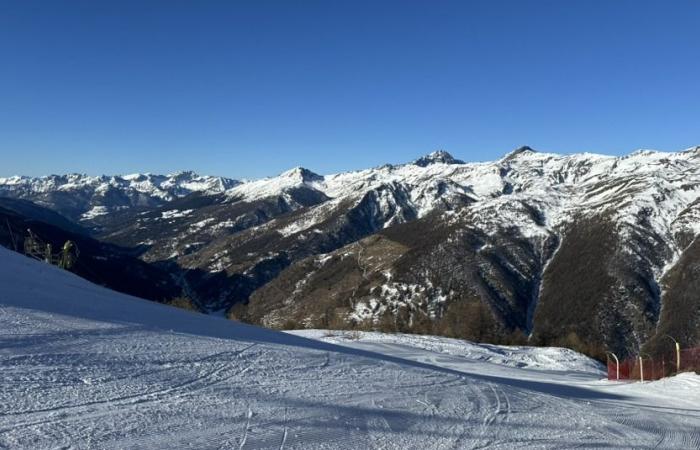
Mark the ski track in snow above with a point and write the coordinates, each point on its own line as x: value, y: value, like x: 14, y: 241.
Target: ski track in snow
x: 84, y: 367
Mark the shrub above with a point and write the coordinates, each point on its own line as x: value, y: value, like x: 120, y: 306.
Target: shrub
x: 183, y: 302
x: 291, y: 324
x: 237, y: 312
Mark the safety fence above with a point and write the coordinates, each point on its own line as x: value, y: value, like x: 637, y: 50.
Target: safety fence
x: 647, y: 368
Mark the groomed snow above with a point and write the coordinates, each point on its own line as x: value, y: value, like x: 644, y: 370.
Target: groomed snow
x: 84, y: 367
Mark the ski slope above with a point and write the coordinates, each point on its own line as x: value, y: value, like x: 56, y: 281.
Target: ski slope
x: 85, y: 367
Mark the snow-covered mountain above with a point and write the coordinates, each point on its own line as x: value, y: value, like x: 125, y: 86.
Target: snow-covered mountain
x: 521, y: 247
x: 82, y: 197
x: 497, y: 226
x: 558, y: 186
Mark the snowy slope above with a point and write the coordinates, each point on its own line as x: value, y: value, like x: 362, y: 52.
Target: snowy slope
x: 84, y: 367
x: 533, y: 358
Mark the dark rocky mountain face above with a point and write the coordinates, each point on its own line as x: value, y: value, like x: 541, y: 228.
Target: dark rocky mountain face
x: 592, y: 252
x: 679, y: 316
x: 605, y: 276
x: 439, y: 156
x: 429, y: 275
x: 29, y: 210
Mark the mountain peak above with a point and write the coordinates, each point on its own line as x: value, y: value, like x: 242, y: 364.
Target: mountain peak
x: 520, y: 151
x: 693, y: 151
x: 183, y: 174
x: 303, y: 174
x: 436, y: 157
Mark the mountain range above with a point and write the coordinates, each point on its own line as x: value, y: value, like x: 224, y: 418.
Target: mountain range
x: 593, y: 252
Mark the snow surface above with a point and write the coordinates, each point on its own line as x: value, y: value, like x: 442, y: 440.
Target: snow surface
x: 95, y: 211
x: 85, y: 367
x: 175, y: 213
x: 537, y: 358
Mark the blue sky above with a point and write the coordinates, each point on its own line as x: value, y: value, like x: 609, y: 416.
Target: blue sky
x: 251, y: 88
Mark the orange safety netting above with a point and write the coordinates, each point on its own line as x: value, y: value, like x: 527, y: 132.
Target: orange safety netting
x: 647, y: 368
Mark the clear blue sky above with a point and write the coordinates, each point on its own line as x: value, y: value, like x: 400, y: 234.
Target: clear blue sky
x: 251, y: 88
